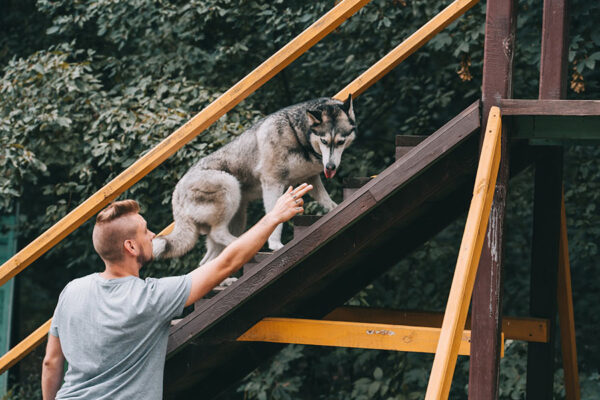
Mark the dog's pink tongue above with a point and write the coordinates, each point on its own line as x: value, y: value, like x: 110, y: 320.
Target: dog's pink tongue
x: 329, y: 173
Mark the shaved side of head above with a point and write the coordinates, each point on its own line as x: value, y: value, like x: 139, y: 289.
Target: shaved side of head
x: 114, y: 225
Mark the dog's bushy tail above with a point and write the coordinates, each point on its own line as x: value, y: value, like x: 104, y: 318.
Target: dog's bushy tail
x: 177, y: 243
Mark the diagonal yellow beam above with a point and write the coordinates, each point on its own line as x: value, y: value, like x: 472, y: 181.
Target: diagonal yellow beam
x: 468, y: 260
x: 180, y: 137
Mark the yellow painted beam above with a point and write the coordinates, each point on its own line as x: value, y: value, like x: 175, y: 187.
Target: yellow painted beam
x: 468, y: 260
x: 514, y: 328
x: 406, y: 48
x: 350, y: 334
x: 15, y: 354
x: 566, y: 316
x: 180, y: 137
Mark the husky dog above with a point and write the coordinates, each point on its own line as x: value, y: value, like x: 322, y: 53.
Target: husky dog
x: 290, y: 146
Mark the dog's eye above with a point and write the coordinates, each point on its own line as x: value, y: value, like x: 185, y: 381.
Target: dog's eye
x: 324, y: 141
x: 340, y: 142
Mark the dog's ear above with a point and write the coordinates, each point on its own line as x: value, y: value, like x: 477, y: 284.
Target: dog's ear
x: 314, y: 117
x: 347, y: 106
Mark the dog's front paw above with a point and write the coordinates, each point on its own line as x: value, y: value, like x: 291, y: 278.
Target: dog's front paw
x: 330, y: 205
x: 275, y: 245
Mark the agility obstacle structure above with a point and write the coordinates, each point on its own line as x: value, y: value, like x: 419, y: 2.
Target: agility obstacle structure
x: 227, y: 335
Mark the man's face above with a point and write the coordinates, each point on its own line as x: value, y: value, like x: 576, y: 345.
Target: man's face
x: 144, y: 240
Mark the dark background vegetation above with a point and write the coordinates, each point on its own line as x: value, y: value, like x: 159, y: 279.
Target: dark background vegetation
x: 86, y: 87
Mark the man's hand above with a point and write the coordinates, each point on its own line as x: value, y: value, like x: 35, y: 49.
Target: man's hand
x: 290, y: 203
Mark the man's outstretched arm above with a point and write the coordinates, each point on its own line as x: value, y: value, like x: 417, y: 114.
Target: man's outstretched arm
x: 209, y: 275
x: 52, y: 368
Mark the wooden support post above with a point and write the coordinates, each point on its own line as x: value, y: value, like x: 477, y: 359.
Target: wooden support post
x: 486, y: 322
x: 461, y: 290
x: 565, y: 313
x: 547, y: 201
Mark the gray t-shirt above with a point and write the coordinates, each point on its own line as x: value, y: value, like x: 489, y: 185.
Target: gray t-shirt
x: 114, y: 335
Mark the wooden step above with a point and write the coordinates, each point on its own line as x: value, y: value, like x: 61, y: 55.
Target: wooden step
x: 405, y: 143
x: 301, y: 222
x: 351, y: 185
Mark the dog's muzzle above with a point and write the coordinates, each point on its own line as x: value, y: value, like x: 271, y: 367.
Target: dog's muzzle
x: 329, y: 170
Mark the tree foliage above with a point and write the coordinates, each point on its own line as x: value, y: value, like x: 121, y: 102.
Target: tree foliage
x: 86, y: 88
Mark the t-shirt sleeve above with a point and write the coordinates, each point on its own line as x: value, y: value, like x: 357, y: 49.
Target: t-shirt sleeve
x: 169, y: 295
x: 57, y: 313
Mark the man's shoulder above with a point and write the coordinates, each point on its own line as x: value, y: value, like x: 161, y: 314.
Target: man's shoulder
x: 79, y: 283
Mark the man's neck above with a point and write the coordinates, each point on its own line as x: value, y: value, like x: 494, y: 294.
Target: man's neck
x: 120, y: 270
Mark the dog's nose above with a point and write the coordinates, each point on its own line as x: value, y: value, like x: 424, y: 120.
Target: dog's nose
x: 330, y: 166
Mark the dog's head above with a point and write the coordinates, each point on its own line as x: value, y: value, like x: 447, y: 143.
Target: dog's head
x: 332, y: 129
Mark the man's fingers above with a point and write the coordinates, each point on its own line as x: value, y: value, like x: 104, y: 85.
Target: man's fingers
x: 302, y: 190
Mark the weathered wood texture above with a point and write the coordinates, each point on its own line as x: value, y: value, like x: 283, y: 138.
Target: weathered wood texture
x: 405, y: 143
x: 577, y: 108
x: 324, y: 266
x: 500, y: 26
x: 516, y: 328
x: 467, y: 263
x: 566, y: 315
x: 547, y: 201
x: 180, y: 137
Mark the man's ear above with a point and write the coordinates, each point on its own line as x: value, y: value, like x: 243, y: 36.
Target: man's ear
x: 130, y: 247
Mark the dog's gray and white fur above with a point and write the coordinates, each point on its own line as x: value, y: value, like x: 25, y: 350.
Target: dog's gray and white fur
x: 288, y: 147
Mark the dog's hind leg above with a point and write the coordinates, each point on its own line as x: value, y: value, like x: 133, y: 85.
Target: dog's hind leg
x: 237, y: 226
x: 212, y: 251
x: 270, y: 195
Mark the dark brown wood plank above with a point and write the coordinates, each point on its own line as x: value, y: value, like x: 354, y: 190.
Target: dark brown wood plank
x: 487, y: 293
x: 409, y: 140
x: 308, y: 271
x: 547, y: 203
x: 544, y: 268
x: 576, y: 108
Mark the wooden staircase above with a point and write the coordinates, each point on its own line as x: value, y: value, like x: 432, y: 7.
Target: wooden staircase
x: 328, y: 261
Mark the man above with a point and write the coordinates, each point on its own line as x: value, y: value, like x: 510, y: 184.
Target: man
x: 112, y: 327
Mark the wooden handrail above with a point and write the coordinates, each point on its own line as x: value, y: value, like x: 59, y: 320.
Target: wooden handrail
x: 467, y: 262
x: 214, y: 111
x: 180, y: 137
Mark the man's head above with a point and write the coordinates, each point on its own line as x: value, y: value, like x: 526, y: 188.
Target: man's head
x: 121, y: 234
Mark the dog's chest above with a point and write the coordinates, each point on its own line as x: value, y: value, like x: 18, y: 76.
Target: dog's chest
x: 299, y: 169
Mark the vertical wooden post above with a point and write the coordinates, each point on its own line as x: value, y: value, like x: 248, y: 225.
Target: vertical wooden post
x: 547, y: 202
x: 486, y: 323
x: 565, y: 313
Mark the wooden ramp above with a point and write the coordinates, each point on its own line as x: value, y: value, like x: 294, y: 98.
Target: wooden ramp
x: 329, y: 261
